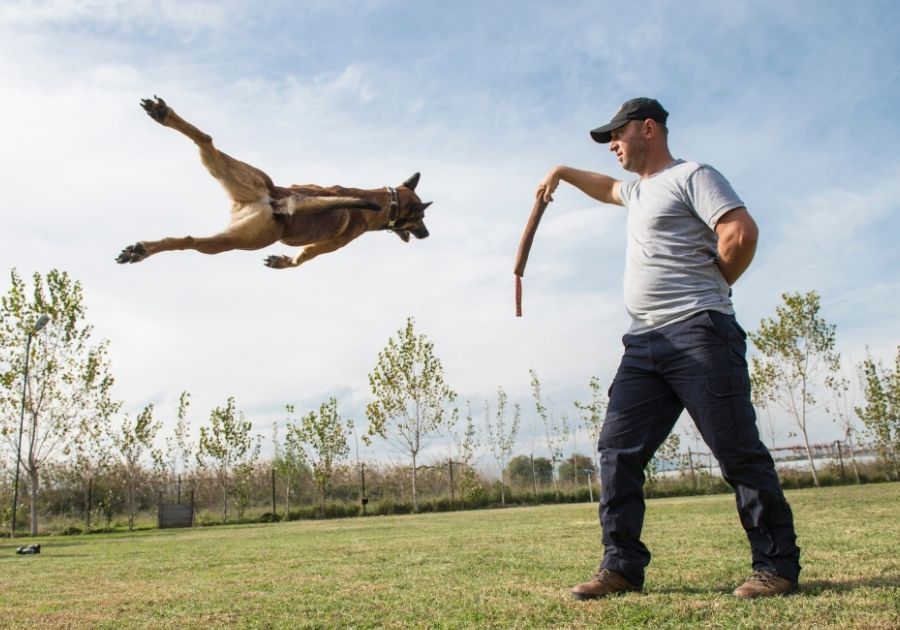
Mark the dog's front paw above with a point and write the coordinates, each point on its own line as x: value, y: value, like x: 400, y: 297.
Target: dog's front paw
x: 278, y: 262
x: 132, y: 254
x: 156, y: 109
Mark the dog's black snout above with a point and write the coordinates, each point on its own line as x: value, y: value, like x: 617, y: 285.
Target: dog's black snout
x: 421, y: 232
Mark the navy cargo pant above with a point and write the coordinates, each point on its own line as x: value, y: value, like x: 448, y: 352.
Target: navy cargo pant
x: 698, y: 364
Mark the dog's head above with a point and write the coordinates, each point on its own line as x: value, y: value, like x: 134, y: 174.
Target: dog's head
x: 411, y: 215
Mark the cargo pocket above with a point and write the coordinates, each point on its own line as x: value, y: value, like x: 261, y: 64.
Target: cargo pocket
x: 725, y: 385
x: 730, y: 416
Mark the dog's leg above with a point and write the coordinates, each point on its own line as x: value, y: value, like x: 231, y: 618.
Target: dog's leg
x: 306, y: 254
x: 255, y: 230
x: 244, y: 183
x: 206, y: 245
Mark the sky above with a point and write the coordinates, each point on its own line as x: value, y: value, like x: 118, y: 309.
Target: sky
x: 794, y: 102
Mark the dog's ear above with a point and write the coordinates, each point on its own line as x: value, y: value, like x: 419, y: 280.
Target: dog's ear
x: 412, y: 182
x: 422, y: 206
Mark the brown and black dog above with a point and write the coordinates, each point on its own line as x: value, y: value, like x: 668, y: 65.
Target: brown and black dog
x: 320, y: 219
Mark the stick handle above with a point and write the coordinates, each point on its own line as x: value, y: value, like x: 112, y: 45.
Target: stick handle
x: 537, y: 211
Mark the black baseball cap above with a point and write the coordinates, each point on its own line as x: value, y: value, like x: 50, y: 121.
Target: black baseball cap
x: 636, y: 109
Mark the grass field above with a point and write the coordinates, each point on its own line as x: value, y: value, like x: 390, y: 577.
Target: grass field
x: 494, y: 568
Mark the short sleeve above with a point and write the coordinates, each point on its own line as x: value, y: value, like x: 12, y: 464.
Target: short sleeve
x: 709, y: 195
x: 626, y: 189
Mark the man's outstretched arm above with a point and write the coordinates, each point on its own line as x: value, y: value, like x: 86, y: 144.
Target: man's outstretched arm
x: 600, y: 187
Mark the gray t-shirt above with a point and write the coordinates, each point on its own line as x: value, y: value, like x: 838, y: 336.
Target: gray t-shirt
x: 670, y: 268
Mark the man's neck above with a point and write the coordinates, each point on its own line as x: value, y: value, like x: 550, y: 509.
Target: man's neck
x: 656, y: 163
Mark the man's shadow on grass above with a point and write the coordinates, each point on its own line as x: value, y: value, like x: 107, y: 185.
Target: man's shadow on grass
x: 812, y: 588
x: 818, y: 587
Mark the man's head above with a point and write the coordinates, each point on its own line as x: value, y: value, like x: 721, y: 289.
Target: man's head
x: 636, y: 109
x: 637, y: 134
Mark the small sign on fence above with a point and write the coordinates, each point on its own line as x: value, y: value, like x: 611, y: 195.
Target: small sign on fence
x: 175, y: 514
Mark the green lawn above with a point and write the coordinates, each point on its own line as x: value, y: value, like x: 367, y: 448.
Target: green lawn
x: 494, y: 568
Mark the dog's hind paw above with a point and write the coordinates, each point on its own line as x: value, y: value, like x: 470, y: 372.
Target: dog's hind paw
x: 132, y: 254
x: 156, y: 109
x: 278, y: 262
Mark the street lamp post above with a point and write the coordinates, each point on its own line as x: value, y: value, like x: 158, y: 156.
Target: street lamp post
x: 38, y: 325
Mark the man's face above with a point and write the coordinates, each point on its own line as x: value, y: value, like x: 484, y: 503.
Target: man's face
x: 630, y: 146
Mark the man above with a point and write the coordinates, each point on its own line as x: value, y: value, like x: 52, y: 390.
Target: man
x: 689, y: 239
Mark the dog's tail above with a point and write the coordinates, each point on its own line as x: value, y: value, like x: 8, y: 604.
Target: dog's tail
x: 308, y: 204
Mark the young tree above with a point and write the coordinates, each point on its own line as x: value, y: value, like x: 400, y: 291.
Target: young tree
x: 593, y: 412
x: 881, y: 412
x: 244, y: 475
x: 555, y: 432
x: 91, y: 453
x: 133, y: 441
x: 179, y: 447
x: 464, y: 443
x: 797, y: 351
x: 324, y: 440
x: 841, y: 410
x: 410, y: 395
x: 69, y: 378
x: 288, y: 461
x: 224, y: 445
x: 502, y: 437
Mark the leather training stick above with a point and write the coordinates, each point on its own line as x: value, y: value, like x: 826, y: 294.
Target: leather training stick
x: 525, y: 246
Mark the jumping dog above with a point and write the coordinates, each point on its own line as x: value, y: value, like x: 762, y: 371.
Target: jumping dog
x: 320, y: 220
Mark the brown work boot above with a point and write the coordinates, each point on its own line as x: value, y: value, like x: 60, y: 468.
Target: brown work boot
x: 605, y: 583
x: 765, y: 584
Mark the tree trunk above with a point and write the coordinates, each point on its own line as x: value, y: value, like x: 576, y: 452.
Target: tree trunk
x: 415, y: 496
x: 852, y: 458
x: 34, y: 479
x: 131, y: 502
x: 533, y: 476
x: 87, y: 504
x: 809, y: 457
x: 553, y: 476
x: 287, y: 498
x: 224, y: 502
x: 893, y: 454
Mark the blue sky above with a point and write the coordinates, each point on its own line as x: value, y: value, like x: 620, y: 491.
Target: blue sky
x: 794, y: 102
